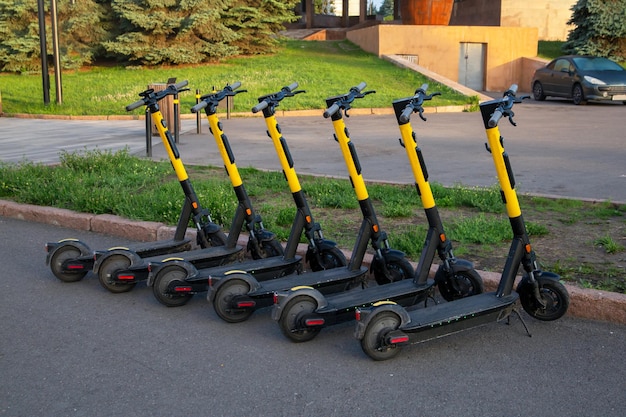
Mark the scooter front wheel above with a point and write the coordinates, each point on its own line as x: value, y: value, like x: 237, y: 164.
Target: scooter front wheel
x: 290, y: 320
x: 269, y: 249
x: 373, y: 342
x: 106, y: 270
x: 223, y: 302
x: 460, y: 284
x: 397, y: 270
x: 328, y: 259
x: 61, y: 255
x: 163, y: 280
x: 553, y: 294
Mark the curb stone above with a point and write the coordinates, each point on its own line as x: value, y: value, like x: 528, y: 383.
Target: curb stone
x: 584, y: 303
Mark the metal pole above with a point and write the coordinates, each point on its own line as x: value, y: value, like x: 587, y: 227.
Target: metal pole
x: 55, y: 47
x: 198, y: 119
x: 148, y: 133
x: 45, y: 78
x: 176, y: 119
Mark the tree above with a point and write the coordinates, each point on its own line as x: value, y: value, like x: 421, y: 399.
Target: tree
x: 257, y: 22
x: 171, y: 31
x: 386, y: 8
x: 600, y: 29
x: 82, y: 26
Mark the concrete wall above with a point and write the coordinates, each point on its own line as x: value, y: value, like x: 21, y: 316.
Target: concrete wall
x: 437, y: 48
x: 548, y: 16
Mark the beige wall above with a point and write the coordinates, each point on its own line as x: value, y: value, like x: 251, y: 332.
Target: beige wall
x: 548, y: 16
x: 437, y: 48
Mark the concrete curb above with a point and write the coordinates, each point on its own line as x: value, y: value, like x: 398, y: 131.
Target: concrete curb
x: 584, y: 303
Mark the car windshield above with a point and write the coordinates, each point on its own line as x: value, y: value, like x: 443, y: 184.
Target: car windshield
x: 596, y: 64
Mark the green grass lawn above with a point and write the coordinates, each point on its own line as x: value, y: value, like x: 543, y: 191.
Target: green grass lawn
x: 322, y: 68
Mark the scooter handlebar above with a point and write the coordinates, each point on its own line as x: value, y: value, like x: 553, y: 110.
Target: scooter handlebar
x: 495, y: 118
x: 235, y: 85
x: 331, y: 110
x: 135, y: 105
x: 406, y: 114
x: 361, y: 86
x: 180, y: 85
x: 262, y: 105
x: 199, y: 106
x: 292, y: 87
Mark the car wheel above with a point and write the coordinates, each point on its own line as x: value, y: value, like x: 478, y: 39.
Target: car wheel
x: 538, y: 91
x: 577, y: 95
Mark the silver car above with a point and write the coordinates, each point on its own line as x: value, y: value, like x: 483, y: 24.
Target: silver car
x: 581, y: 78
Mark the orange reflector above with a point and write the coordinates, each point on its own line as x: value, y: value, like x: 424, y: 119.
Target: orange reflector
x: 194, y: 205
x: 528, y: 248
x: 248, y: 211
x: 375, y: 228
x: 308, y: 219
x: 442, y: 237
x: 182, y: 289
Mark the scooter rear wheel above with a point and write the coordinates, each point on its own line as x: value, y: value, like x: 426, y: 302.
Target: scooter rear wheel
x: 61, y: 255
x: 373, y: 342
x: 553, y: 294
x: 329, y: 259
x: 223, y: 301
x: 163, y: 280
x: 466, y: 283
x: 106, y: 270
x: 292, y: 314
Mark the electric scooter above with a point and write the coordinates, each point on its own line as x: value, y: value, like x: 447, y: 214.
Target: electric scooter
x: 456, y: 278
x: 175, y: 281
x: 70, y: 259
x: 385, y: 328
x: 237, y: 295
x: 120, y: 269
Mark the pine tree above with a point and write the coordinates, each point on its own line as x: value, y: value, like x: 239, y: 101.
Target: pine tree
x: 81, y: 25
x: 600, y: 29
x: 257, y: 22
x: 172, y: 31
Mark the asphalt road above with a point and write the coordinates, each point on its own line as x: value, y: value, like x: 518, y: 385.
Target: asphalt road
x: 76, y: 349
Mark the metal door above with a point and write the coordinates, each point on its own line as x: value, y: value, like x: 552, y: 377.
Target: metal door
x: 472, y: 65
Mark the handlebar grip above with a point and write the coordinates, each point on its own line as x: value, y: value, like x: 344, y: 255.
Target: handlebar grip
x: 260, y: 106
x: 406, y: 114
x: 235, y: 85
x: 332, y: 110
x: 135, y: 105
x: 199, y: 106
x: 361, y: 86
x: 181, y: 84
x: 495, y: 118
x: 424, y: 88
x: 291, y: 87
x: 512, y: 89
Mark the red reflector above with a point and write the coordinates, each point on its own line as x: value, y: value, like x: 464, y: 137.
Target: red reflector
x: 399, y: 339
x: 314, y: 322
x: 76, y: 266
x: 210, y: 281
x: 125, y: 277
x: 245, y: 304
x: 357, y: 315
x: 182, y: 289
x: 275, y: 298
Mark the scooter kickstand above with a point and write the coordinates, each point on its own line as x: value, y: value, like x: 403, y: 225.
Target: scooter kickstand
x: 517, y: 313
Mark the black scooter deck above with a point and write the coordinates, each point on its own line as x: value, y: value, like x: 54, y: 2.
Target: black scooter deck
x: 200, y: 258
x: 406, y: 292
x: 458, y: 315
x: 160, y: 247
x: 327, y: 281
x: 262, y: 269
